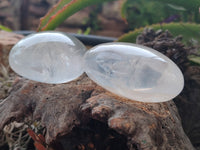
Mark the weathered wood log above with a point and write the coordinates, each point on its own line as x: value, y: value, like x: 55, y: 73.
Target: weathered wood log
x: 63, y: 107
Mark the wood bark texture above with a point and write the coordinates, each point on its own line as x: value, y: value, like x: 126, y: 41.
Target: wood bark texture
x: 63, y: 107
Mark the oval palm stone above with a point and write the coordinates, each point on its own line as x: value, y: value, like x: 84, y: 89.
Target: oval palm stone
x: 135, y: 72
x: 49, y: 57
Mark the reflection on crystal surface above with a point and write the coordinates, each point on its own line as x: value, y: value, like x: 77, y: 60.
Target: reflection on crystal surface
x: 49, y: 57
x: 133, y: 71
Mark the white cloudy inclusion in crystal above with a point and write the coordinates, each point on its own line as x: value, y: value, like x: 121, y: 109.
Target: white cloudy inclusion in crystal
x: 135, y: 72
x: 49, y: 57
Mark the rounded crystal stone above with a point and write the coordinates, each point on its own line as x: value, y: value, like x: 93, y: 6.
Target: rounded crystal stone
x: 133, y: 71
x: 49, y: 57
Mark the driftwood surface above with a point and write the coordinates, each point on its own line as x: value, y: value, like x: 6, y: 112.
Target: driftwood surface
x: 81, y: 115
x: 62, y: 107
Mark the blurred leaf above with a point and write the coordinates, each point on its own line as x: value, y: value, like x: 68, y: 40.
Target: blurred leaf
x: 87, y: 31
x: 194, y: 59
x: 5, y: 28
x: 79, y: 31
x: 176, y: 7
x: 62, y: 10
x: 149, y: 12
x: 188, y: 4
x: 189, y: 31
x: 130, y: 36
x: 124, y: 4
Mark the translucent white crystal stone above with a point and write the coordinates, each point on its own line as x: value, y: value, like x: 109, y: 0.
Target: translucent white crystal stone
x: 49, y: 57
x: 135, y: 72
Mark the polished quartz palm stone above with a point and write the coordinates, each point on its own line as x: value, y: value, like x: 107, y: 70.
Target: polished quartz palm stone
x: 135, y: 72
x: 49, y: 57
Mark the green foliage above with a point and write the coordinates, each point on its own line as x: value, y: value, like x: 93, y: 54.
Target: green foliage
x: 137, y: 13
x: 5, y: 28
x: 140, y: 13
x: 189, y: 31
x: 188, y: 4
x: 86, y: 32
x: 180, y: 8
x: 62, y: 10
x: 93, y: 21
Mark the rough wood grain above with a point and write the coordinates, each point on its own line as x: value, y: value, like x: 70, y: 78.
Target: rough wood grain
x: 62, y: 107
